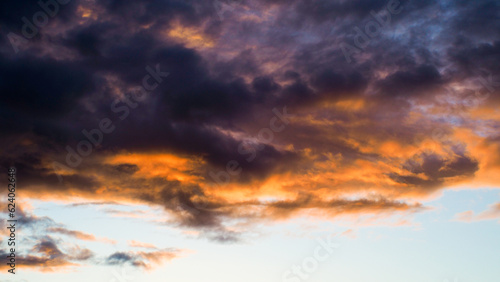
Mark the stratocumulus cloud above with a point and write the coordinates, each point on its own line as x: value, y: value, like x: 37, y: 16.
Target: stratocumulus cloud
x: 260, y: 119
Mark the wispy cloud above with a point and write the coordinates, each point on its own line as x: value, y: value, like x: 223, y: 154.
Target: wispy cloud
x: 79, y: 235
x: 492, y: 213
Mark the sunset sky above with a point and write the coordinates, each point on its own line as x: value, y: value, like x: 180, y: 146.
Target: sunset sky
x: 251, y: 140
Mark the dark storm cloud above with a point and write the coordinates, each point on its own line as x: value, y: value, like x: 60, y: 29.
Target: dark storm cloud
x: 335, y: 84
x: 470, y: 57
x: 150, y: 11
x: 126, y: 168
x: 265, y: 84
x: 34, y: 172
x: 42, y: 87
x: 89, y: 41
x: 200, y: 210
x: 189, y: 94
x: 321, y: 10
x: 473, y: 16
x: 419, y: 80
x: 435, y: 169
x: 12, y: 12
x: 185, y: 138
x: 219, y: 94
x: 225, y: 101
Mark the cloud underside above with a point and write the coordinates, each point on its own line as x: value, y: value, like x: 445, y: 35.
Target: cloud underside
x: 410, y: 114
x: 46, y: 256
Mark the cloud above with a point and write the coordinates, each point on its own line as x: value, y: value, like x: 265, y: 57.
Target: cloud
x: 146, y: 260
x: 46, y: 256
x: 28, y: 219
x: 79, y: 235
x: 136, y: 244
x: 303, y: 202
x: 492, y: 213
x: 349, y: 233
x: 414, y: 113
x: 93, y: 204
x: 434, y: 169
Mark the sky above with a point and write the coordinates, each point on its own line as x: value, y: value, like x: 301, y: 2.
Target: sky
x: 250, y: 140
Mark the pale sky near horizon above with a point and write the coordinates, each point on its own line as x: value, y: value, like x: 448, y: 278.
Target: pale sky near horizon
x: 429, y: 246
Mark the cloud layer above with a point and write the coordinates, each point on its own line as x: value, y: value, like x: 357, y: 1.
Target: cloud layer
x: 87, y: 110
